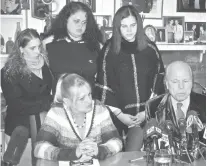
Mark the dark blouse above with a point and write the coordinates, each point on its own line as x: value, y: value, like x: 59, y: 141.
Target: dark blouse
x: 26, y: 96
x: 72, y: 57
x: 127, y: 80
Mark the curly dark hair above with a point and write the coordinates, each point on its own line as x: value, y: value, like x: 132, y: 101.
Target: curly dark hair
x: 92, y: 35
x: 16, y: 64
x: 124, y: 12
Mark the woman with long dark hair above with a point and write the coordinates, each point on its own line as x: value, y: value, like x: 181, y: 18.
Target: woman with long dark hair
x: 26, y: 82
x: 128, y: 74
x: 76, y: 42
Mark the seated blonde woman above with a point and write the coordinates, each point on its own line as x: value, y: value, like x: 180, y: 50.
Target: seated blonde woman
x: 76, y: 126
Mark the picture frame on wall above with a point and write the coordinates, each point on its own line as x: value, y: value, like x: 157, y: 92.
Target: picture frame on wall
x: 10, y: 7
x: 25, y: 4
x: 150, y: 31
x: 174, y: 28
x: 191, y: 5
x: 40, y: 10
x: 103, y: 20
x: 188, y: 37
x: 196, y: 27
x: 161, y: 36
x: 107, y: 33
x: 91, y: 3
x: 149, y: 8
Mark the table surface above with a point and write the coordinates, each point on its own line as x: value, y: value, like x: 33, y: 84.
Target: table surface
x: 122, y: 159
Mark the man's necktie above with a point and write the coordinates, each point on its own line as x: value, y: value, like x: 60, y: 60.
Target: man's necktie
x: 179, y: 112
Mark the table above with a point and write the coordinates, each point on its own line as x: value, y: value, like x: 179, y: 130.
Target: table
x: 121, y: 159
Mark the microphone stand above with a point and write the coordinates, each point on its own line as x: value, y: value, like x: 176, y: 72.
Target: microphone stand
x: 196, y: 145
x: 183, y: 146
x: 201, y: 154
x: 196, y: 150
x: 186, y: 151
x: 148, y: 153
x: 183, y: 150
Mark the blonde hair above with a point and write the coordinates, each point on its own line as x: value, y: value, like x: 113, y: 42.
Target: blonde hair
x: 64, y: 84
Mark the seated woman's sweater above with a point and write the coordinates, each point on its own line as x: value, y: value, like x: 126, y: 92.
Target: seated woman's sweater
x: 59, y: 137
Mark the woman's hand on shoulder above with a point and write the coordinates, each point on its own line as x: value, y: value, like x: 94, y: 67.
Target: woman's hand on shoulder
x: 47, y: 40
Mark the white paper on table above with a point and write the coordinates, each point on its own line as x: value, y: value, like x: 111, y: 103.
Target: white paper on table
x: 67, y: 163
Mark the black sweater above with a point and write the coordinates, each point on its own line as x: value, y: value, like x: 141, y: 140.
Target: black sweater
x: 72, y: 57
x: 127, y: 79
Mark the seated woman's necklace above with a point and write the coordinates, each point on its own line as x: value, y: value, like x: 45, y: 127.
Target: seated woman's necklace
x: 79, y: 126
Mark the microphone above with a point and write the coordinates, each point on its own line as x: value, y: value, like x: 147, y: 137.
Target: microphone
x: 16, y: 145
x: 194, y: 125
x: 192, y: 119
x: 182, y: 127
x: 169, y: 127
x: 153, y: 133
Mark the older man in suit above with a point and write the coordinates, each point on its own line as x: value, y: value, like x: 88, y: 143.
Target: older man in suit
x: 179, y: 100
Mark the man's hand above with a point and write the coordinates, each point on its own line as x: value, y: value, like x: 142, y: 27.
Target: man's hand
x: 127, y: 119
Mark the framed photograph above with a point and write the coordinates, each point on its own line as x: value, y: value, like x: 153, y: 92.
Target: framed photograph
x: 25, y: 4
x: 188, y: 37
x: 191, y: 5
x: 150, y: 31
x: 90, y: 3
x: 198, y: 28
x: 11, y: 7
x: 149, y: 8
x: 161, y: 35
x: 40, y: 10
x: 174, y: 28
x: 107, y: 33
x: 103, y: 20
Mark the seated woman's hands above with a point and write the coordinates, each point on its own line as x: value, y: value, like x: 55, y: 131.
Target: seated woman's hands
x: 87, y: 148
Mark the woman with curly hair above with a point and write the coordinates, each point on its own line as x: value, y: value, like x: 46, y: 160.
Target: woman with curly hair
x: 26, y: 82
x: 129, y: 66
x: 75, y: 42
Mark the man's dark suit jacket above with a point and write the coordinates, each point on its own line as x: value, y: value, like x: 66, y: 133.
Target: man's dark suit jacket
x: 162, y: 109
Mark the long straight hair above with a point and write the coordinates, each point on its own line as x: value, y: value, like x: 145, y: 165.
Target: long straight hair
x: 124, y: 12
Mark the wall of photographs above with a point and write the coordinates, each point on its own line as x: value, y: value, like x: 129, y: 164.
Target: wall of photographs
x: 152, y: 15
x: 161, y: 18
